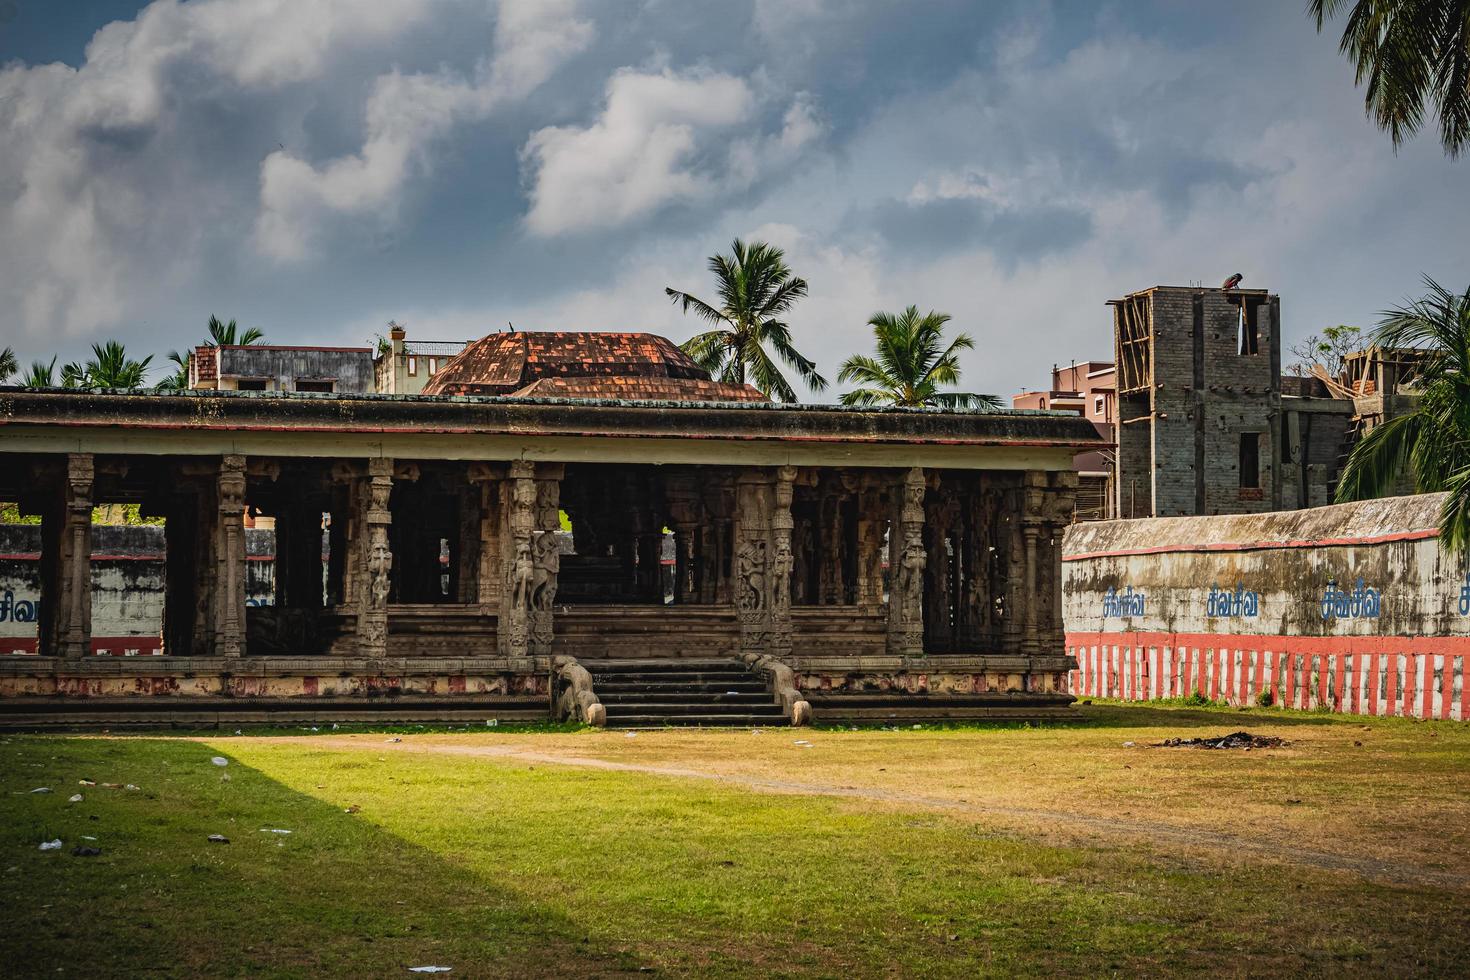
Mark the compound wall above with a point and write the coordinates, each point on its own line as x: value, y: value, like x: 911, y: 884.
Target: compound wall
x: 1350, y: 608
x: 127, y: 586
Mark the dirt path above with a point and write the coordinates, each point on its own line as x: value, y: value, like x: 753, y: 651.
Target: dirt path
x: 1055, y: 822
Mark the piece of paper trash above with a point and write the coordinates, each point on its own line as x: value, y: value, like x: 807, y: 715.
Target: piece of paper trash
x: 129, y: 786
x: 428, y: 969
x: 273, y: 830
x: 218, y: 839
x: 630, y: 735
x: 51, y: 845
x: 85, y: 837
x: 86, y: 782
x: 220, y: 760
x: 74, y: 798
x: 392, y: 739
x: 41, y: 789
x: 801, y: 741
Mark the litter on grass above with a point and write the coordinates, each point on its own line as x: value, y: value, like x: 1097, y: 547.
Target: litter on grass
x: 85, y: 782
x: 51, y: 845
x: 392, y: 739
x: 74, y: 798
x: 273, y: 830
x: 1235, y: 740
x: 41, y: 789
x: 428, y: 969
x: 85, y: 837
x: 218, y: 839
x: 85, y: 852
x: 220, y: 760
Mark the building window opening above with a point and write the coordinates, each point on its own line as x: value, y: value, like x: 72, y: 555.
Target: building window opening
x: 250, y: 384
x: 322, y: 386
x: 1098, y: 406
x: 413, y: 365
x: 1248, y: 329
x: 1250, y: 460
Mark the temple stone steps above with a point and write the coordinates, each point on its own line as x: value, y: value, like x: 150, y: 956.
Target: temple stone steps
x: 654, y: 694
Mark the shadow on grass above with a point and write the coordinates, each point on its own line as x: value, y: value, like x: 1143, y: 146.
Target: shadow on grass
x: 161, y: 899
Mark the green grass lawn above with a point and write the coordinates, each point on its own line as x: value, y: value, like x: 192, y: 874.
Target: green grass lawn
x: 502, y: 866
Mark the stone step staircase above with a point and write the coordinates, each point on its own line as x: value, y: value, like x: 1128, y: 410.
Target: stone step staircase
x: 658, y: 693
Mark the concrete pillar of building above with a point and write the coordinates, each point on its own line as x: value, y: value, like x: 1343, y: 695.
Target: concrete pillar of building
x: 227, y: 604
x: 906, y: 564
x: 66, y: 563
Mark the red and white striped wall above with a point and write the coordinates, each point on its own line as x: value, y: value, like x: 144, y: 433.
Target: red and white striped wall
x: 1403, y: 676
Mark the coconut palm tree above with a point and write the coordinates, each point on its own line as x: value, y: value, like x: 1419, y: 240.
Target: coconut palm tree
x: 1412, y: 53
x: 224, y: 334
x: 1431, y: 444
x: 110, y: 367
x: 74, y: 375
x: 909, y: 366
x: 40, y: 375
x: 756, y: 290
x: 179, y: 380
x: 8, y: 365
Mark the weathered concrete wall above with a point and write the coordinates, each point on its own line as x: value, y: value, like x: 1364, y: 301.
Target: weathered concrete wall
x: 127, y: 586
x: 1354, y: 607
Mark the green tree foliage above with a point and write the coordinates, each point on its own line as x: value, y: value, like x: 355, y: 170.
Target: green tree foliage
x: 910, y: 364
x: 40, y: 375
x: 8, y: 365
x: 1330, y: 349
x: 1431, y: 444
x: 110, y: 367
x: 756, y: 290
x: 1412, y: 54
x: 229, y: 335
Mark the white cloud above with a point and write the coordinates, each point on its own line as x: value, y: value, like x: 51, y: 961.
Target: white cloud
x: 100, y: 198
x: 404, y: 116
x: 657, y: 142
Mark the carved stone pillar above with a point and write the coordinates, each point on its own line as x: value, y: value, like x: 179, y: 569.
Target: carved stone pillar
x: 753, y: 503
x: 66, y: 563
x: 227, y: 606
x: 871, y: 522
x: 829, y: 546
x: 545, y: 557
x: 781, y: 563
x: 374, y: 558
x: 518, y: 564
x: 1060, y: 511
x: 1033, y: 519
x: 484, y: 500
x: 906, y: 562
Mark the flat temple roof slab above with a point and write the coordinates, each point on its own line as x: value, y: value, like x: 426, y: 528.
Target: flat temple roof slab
x: 473, y: 428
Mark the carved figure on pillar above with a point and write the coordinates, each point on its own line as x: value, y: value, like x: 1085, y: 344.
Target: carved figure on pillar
x: 906, y: 599
x: 782, y: 562
x: 546, y: 563
x: 514, y: 625
x: 377, y: 561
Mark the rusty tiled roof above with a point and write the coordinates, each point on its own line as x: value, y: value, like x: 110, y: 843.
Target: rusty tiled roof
x: 569, y: 364
x: 641, y: 389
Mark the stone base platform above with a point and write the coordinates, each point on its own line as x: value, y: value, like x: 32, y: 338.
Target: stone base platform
x: 49, y: 692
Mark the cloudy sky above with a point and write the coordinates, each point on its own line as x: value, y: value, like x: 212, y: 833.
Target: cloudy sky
x: 317, y: 167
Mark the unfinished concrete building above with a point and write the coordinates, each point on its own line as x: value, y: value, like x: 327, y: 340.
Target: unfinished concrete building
x: 1204, y: 425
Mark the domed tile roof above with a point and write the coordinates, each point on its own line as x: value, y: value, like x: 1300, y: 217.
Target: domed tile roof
x: 568, y: 364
